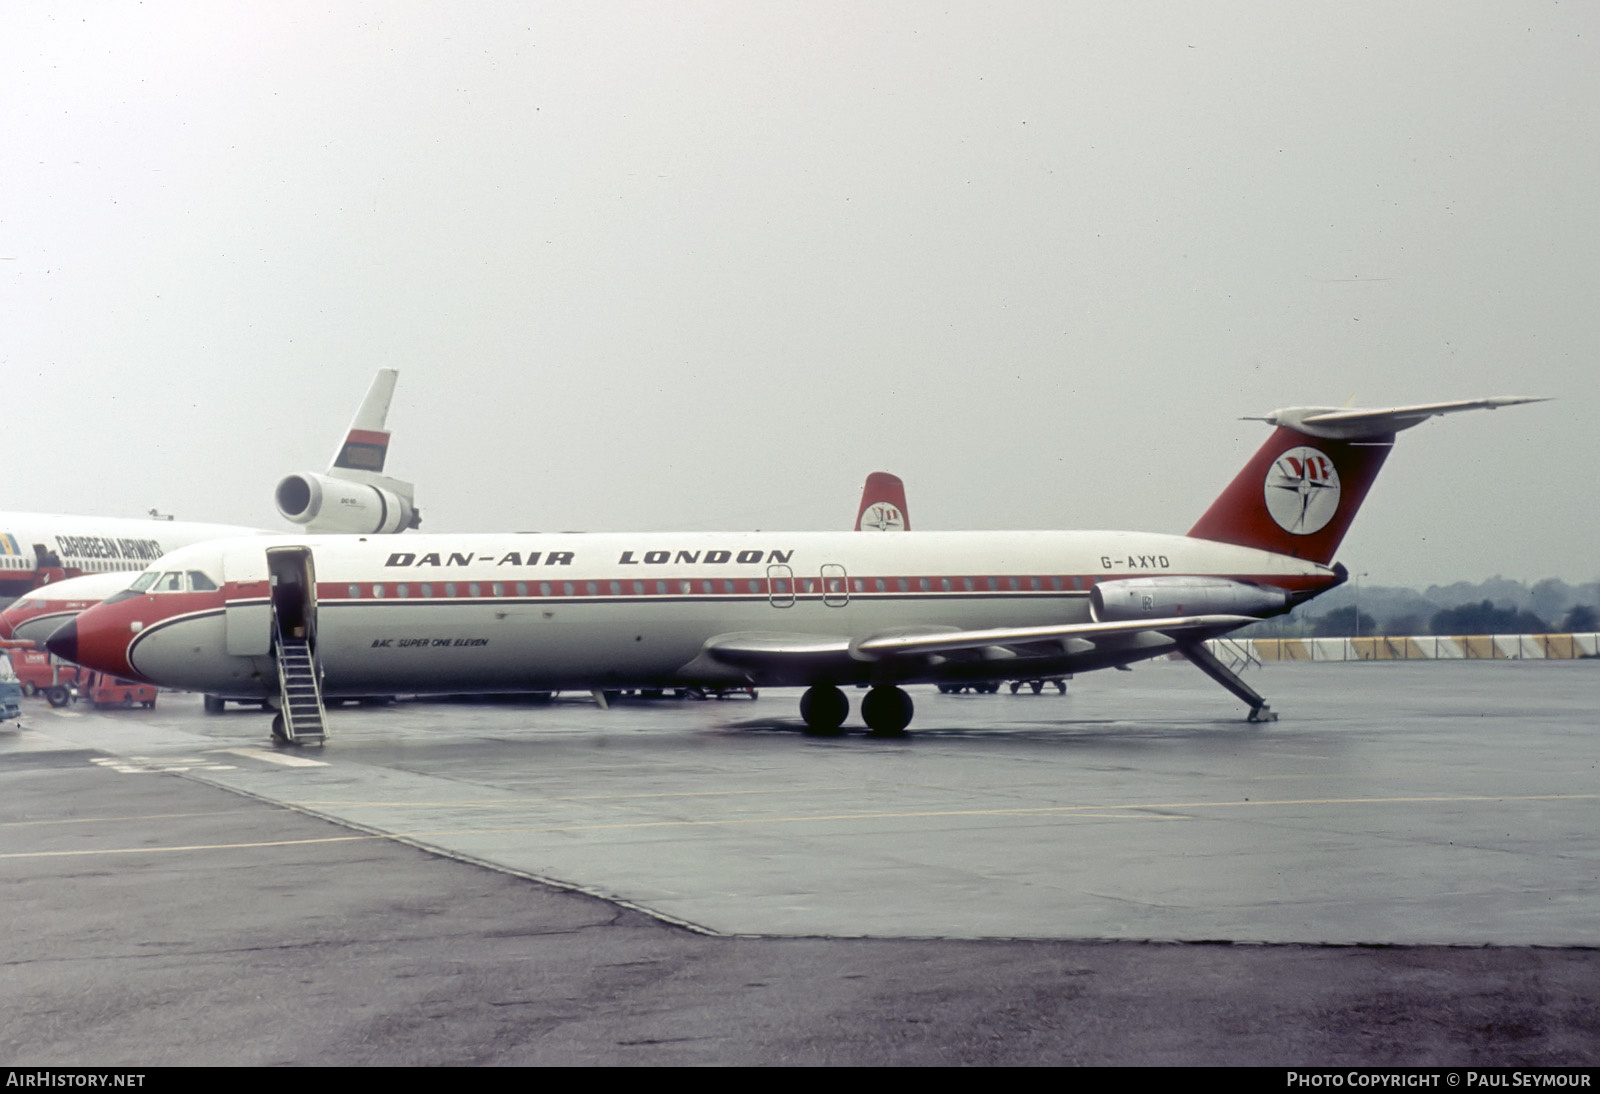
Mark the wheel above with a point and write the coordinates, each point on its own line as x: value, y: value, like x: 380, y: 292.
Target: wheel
x: 215, y: 704
x: 57, y: 695
x: 1037, y: 686
x: 887, y: 711
x: 824, y: 708
x: 1015, y: 686
x: 279, y: 738
x: 28, y: 689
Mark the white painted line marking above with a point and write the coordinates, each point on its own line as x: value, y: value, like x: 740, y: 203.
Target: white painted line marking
x: 274, y: 757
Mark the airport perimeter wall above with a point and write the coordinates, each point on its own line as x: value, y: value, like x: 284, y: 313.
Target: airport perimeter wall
x: 1468, y: 647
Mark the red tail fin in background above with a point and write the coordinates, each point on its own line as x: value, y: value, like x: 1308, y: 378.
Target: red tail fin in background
x: 1300, y: 491
x: 883, y: 505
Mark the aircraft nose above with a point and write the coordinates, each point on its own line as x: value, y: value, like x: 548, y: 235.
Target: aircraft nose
x: 63, y: 641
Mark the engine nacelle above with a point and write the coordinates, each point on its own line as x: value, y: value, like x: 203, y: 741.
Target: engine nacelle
x: 1134, y: 598
x: 325, y: 504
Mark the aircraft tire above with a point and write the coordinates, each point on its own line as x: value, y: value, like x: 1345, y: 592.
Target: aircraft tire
x: 824, y: 708
x: 279, y: 738
x: 887, y: 711
x: 214, y: 704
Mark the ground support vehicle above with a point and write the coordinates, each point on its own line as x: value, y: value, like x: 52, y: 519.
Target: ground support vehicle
x: 10, y: 691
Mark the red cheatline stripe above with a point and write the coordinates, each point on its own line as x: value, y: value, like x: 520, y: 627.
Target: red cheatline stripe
x: 610, y: 588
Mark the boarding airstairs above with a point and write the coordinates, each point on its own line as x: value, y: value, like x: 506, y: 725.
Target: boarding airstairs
x: 303, y: 715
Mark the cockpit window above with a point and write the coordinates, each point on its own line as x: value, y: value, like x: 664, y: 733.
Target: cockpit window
x: 200, y: 583
x: 170, y: 583
x: 145, y: 581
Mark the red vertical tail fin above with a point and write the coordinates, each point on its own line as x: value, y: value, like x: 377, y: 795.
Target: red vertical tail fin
x: 883, y: 505
x: 1300, y: 491
x: 1297, y: 495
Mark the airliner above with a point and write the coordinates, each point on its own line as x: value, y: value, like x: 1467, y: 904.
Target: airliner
x: 353, y: 495
x: 34, y: 616
x: 819, y: 610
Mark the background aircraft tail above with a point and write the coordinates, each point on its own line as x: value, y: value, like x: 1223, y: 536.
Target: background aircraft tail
x: 354, y: 496
x: 1298, y: 494
x: 883, y: 505
x: 366, y: 444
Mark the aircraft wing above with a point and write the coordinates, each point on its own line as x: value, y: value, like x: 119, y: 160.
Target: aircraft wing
x: 784, y: 656
x: 917, y: 644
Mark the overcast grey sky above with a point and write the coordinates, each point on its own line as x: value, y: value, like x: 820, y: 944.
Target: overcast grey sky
x: 704, y: 265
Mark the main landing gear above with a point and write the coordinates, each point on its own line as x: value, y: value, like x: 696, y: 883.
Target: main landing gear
x: 886, y: 710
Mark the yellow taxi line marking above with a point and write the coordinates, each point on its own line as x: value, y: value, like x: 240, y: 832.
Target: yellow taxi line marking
x: 509, y: 803
x: 1066, y: 811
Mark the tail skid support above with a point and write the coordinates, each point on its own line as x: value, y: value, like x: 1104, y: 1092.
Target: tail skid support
x: 1204, y: 660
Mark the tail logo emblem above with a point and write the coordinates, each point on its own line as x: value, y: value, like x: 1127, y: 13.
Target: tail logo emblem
x: 881, y: 516
x: 1302, y: 491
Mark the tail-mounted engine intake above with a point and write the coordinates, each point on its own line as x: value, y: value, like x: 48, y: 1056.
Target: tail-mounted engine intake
x: 1135, y: 598
x: 326, y: 504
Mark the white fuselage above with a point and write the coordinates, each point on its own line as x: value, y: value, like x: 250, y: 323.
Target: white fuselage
x: 442, y: 613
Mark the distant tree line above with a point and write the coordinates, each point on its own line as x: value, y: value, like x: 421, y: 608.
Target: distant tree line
x: 1497, y: 605
x: 1481, y: 618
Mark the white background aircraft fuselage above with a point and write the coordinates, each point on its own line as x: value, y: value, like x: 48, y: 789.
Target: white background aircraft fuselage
x: 91, y: 545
